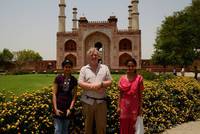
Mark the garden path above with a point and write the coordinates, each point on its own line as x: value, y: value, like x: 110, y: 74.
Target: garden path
x: 192, y: 127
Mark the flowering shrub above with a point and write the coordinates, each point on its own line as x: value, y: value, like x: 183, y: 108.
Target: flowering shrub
x: 170, y: 102
x: 166, y: 104
x: 29, y: 113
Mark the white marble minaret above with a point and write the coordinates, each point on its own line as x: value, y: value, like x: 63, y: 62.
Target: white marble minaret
x: 74, y: 20
x: 134, y: 15
x: 61, y: 17
x: 129, y: 17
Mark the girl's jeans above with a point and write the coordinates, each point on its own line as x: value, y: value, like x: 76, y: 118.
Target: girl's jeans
x: 61, y: 126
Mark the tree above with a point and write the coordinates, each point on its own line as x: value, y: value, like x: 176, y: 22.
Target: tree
x: 5, y: 59
x: 194, y: 19
x: 23, y: 56
x: 178, y: 39
x: 6, y: 55
x: 27, y: 55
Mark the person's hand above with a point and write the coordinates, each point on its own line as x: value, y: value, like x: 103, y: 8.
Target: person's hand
x: 140, y: 112
x: 101, y: 90
x: 58, y: 112
x: 68, y: 112
x: 95, y: 86
x: 118, y: 110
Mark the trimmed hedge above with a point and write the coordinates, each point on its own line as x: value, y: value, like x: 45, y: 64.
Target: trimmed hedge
x: 166, y: 104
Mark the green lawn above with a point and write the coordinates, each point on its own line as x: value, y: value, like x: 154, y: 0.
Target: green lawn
x: 19, y: 84
x: 25, y: 83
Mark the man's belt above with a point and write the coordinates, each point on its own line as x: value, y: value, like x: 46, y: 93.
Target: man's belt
x: 95, y: 98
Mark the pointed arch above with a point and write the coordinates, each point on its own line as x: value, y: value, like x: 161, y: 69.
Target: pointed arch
x: 123, y: 58
x: 72, y: 58
x: 125, y: 45
x: 101, y: 41
x: 70, y: 46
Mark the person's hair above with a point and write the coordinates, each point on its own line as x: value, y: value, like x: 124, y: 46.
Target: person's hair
x: 92, y: 50
x: 131, y: 60
x: 66, y: 62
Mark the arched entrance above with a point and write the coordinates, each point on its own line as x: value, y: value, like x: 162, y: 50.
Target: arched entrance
x: 123, y: 58
x: 102, y: 43
x: 125, y: 45
x: 70, y: 46
x: 72, y: 58
x: 99, y: 47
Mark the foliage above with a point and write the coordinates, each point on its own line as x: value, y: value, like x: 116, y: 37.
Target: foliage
x: 121, y: 71
x: 27, y: 55
x: 23, y: 56
x: 147, y: 75
x: 163, y: 77
x: 5, y: 58
x: 177, y: 41
x: 177, y: 97
x: 171, y: 102
x: 194, y: 12
x: 6, y: 55
x: 26, y: 114
x: 156, y: 77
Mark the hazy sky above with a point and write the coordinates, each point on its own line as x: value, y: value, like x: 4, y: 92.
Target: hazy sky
x: 32, y: 24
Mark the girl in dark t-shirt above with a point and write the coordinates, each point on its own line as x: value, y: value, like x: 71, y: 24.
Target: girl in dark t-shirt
x: 64, y: 96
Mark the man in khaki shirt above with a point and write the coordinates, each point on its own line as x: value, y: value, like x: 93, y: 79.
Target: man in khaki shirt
x: 94, y: 78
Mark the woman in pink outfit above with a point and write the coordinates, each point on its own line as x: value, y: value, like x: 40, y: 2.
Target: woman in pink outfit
x: 130, y: 100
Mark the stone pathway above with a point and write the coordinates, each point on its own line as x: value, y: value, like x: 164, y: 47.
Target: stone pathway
x: 189, y: 74
x: 192, y: 127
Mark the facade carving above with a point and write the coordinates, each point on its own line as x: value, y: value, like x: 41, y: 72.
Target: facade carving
x: 115, y: 45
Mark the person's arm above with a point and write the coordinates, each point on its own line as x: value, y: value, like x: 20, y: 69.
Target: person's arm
x: 140, y: 98
x: 74, y: 98
x: 73, y: 101
x: 140, y: 103
x: 119, y: 98
x: 85, y: 85
x: 55, y: 89
x: 106, y: 83
x: 120, y: 95
x: 89, y: 86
